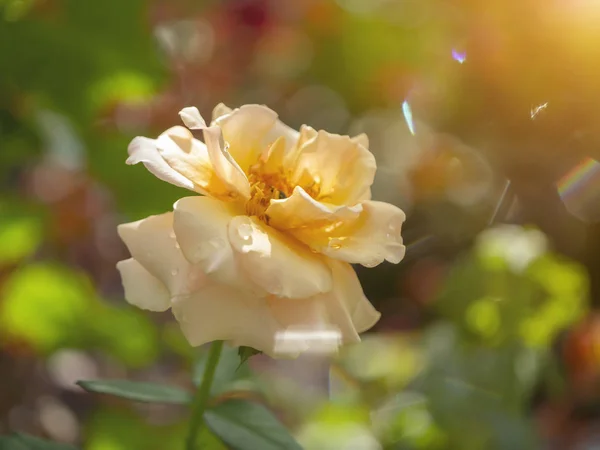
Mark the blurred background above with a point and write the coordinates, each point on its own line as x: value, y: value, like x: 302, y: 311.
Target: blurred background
x: 483, y: 117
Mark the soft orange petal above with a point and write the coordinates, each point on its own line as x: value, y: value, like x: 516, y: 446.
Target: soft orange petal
x: 340, y: 168
x: 370, y: 239
x: 300, y: 210
x: 244, y: 130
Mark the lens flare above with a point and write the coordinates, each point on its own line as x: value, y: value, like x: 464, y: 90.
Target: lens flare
x: 407, y: 111
x: 459, y: 56
x: 538, y: 109
x: 579, y: 190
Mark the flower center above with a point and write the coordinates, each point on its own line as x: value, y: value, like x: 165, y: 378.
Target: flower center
x: 271, y: 181
x: 264, y: 188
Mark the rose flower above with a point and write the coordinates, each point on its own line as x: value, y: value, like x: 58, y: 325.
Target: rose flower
x: 267, y: 247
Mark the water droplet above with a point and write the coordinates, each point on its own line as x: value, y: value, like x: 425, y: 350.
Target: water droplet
x: 174, y: 272
x: 335, y: 243
x: 177, y: 246
x: 245, y: 231
x: 172, y: 235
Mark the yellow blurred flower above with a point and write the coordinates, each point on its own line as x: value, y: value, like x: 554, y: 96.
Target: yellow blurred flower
x: 266, y: 249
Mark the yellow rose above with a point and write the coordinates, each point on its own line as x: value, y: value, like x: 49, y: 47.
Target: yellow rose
x: 267, y: 247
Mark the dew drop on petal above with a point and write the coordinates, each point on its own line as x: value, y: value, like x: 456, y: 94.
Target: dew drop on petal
x: 174, y: 272
x: 335, y: 243
x: 245, y: 231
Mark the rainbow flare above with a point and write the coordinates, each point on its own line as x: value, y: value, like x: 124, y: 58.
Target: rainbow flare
x: 579, y: 190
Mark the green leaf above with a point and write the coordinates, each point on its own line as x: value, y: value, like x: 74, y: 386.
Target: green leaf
x: 20, y: 236
x: 245, y: 425
x: 246, y: 353
x: 141, y: 392
x: 25, y: 442
x: 65, y: 297
x: 229, y: 371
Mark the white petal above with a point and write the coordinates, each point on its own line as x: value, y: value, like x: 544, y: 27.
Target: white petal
x: 204, y: 164
x: 275, y: 262
x: 144, y: 150
x: 350, y: 295
x: 218, y: 312
x: 224, y: 164
x: 201, y: 225
x: 301, y: 210
x: 142, y: 289
x: 152, y: 243
x: 192, y: 118
x: 220, y: 110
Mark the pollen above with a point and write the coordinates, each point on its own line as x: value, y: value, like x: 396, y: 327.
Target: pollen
x: 270, y: 181
x: 265, y: 187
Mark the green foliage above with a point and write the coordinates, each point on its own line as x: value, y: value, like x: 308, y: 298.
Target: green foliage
x: 244, y: 425
x: 19, y: 441
x: 51, y: 306
x: 138, y: 391
x: 245, y: 353
x: 20, y: 235
x: 119, y: 429
x: 44, y: 304
x: 496, y: 302
x: 230, y: 374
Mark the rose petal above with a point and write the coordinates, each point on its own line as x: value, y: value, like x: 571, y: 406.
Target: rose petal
x: 275, y: 262
x: 200, y: 224
x: 305, y: 326
x: 224, y: 165
x: 361, y: 139
x: 144, y: 150
x: 218, y: 312
x: 342, y: 168
x: 369, y: 240
x: 281, y: 130
x: 152, y: 244
x: 204, y: 164
x: 220, y: 110
x: 245, y: 130
x: 142, y: 289
x: 301, y: 210
x: 192, y: 118
x: 348, y: 292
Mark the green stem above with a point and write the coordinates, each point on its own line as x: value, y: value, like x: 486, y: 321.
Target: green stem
x: 203, y: 394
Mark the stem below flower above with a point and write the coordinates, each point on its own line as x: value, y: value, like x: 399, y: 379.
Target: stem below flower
x: 202, y: 394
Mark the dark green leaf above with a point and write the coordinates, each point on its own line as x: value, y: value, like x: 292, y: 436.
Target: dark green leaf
x: 245, y: 425
x: 246, y: 353
x: 24, y: 442
x: 228, y: 370
x: 141, y: 392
